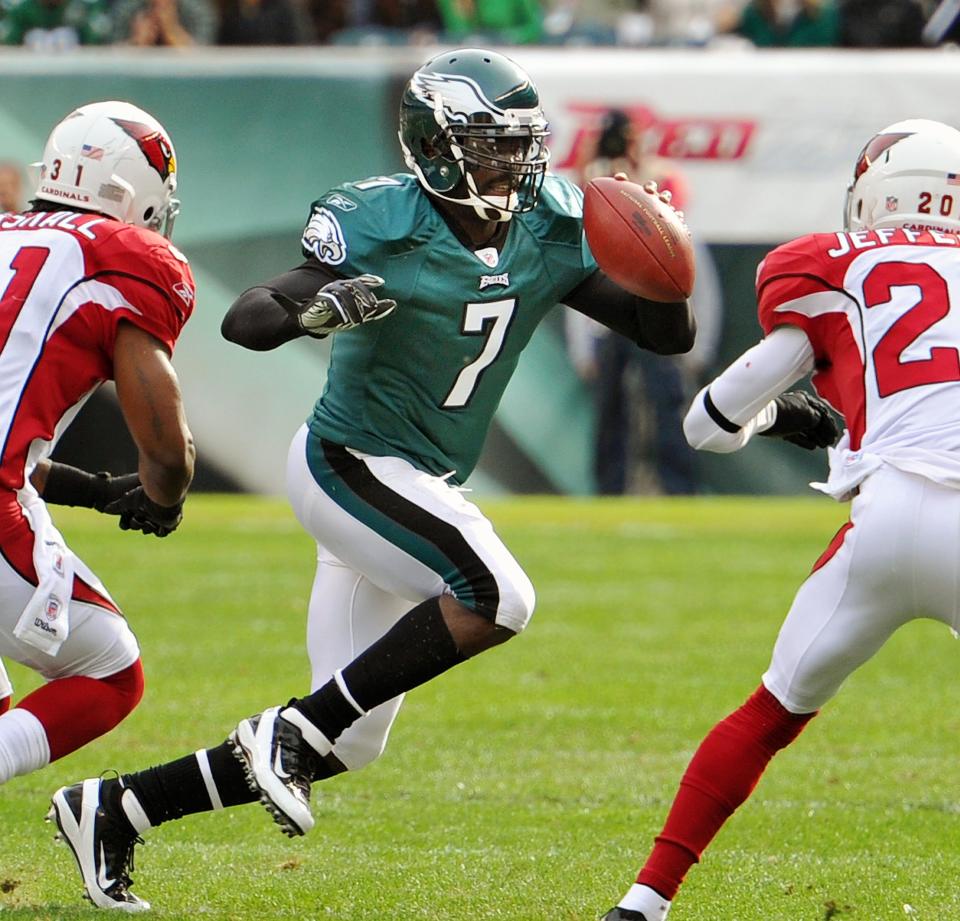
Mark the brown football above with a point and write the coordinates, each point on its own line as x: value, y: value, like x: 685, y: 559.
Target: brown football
x: 638, y: 240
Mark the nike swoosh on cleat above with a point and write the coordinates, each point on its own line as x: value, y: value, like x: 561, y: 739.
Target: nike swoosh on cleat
x: 102, y: 880
x: 278, y: 766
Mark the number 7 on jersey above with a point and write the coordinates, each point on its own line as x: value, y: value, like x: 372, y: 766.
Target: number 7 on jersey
x: 487, y: 317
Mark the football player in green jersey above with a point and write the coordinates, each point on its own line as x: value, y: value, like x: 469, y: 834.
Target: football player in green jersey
x: 432, y: 283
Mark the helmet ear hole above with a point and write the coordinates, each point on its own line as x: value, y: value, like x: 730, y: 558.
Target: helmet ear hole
x: 148, y: 213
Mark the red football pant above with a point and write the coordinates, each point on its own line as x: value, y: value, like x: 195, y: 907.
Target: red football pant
x: 76, y: 710
x: 720, y: 776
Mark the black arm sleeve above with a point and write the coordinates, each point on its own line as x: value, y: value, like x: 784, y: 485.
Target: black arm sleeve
x: 256, y: 321
x: 667, y: 329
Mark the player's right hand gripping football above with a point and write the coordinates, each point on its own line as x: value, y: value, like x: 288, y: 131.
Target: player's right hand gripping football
x: 138, y: 512
x: 804, y: 420
x: 341, y: 304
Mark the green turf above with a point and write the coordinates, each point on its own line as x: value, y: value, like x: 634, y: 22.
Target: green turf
x: 526, y: 784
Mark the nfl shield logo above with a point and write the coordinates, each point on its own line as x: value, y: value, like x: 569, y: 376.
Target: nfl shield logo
x: 892, y: 203
x: 52, y: 609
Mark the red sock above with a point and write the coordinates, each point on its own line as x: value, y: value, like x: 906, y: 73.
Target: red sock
x: 5, y: 704
x: 721, y: 775
x: 76, y: 710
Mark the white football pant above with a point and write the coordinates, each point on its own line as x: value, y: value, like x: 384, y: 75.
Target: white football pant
x: 370, y: 572
x: 899, y: 561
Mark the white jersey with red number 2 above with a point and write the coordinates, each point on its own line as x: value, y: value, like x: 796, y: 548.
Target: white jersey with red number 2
x: 882, y: 312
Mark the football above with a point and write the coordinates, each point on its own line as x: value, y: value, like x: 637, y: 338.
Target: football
x: 638, y: 240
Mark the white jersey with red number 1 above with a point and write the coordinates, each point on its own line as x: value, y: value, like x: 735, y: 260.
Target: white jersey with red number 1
x: 66, y: 281
x: 882, y: 312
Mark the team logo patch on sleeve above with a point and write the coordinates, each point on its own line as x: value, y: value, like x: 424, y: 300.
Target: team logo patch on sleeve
x: 324, y: 237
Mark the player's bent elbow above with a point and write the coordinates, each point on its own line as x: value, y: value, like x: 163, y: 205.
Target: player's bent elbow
x: 703, y: 434
x: 677, y: 330
x: 232, y: 326
x: 167, y: 470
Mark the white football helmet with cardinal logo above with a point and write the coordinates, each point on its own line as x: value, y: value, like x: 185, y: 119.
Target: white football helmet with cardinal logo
x: 908, y: 175
x: 115, y: 159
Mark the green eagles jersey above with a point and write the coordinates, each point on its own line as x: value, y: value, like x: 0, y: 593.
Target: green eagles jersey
x: 424, y: 382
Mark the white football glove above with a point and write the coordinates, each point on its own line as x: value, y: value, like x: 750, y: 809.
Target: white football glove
x: 341, y: 304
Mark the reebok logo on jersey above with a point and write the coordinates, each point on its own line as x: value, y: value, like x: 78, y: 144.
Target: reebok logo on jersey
x: 184, y: 292
x: 341, y: 202
x: 324, y: 238
x: 487, y: 281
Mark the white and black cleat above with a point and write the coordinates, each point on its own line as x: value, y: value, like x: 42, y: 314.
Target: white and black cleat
x: 102, y: 846
x: 624, y: 914
x: 279, y: 766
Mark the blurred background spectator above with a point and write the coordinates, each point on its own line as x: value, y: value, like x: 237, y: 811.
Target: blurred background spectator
x: 631, y: 23
x: 790, y: 23
x: 512, y: 22
x: 55, y: 25
x: 12, y: 182
x: 881, y: 23
x: 169, y: 23
x: 640, y: 397
x: 264, y: 22
x: 376, y: 22
x: 328, y: 17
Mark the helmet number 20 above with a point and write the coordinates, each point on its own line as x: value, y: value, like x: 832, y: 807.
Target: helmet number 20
x: 489, y: 318
x: 926, y: 204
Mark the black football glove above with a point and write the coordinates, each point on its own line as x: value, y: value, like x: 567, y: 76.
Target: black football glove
x: 804, y: 420
x: 66, y: 485
x: 110, y: 488
x: 339, y: 305
x: 138, y: 512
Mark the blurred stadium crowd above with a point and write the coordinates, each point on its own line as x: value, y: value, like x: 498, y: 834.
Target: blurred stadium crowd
x: 64, y: 24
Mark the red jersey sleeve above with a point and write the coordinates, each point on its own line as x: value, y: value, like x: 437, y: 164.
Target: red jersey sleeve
x: 795, y: 280
x: 153, y: 278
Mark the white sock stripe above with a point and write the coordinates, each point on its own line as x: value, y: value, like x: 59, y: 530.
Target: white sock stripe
x: 134, y: 811
x: 338, y: 677
x: 204, y: 764
x: 311, y: 735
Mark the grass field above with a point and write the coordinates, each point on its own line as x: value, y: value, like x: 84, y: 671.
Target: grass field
x: 525, y: 785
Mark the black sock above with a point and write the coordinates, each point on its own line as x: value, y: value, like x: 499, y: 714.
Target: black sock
x: 417, y: 648
x: 177, y: 788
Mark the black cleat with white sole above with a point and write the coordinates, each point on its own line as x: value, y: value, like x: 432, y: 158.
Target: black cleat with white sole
x: 624, y: 914
x: 279, y: 766
x: 102, y: 845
